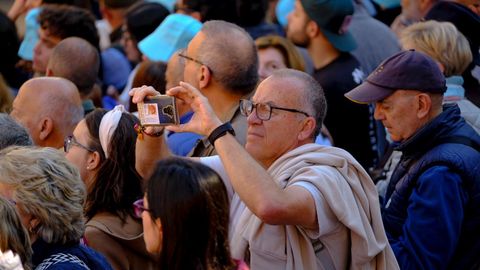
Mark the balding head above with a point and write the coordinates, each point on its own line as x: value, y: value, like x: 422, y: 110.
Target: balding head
x: 50, y: 108
x: 84, y: 72
x: 231, y: 55
x: 309, y: 92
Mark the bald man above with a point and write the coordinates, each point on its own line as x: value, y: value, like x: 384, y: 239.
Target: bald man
x: 83, y: 73
x: 49, y: 108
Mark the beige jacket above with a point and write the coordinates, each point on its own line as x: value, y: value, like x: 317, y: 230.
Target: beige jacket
x: 350, y: 233
x: 121, y: 244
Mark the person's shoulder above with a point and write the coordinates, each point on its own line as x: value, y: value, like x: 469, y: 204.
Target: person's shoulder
x: 64, y: 260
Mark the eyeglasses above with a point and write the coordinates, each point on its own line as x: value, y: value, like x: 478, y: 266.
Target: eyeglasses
x: 191, y: 59
x: 262, y: 110
x: 70, y: 140
x: 138, y: 208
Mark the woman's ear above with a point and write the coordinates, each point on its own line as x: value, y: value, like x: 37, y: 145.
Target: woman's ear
x: 93, y: 161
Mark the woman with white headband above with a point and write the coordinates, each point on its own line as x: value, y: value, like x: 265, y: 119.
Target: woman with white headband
x: 103, y: 148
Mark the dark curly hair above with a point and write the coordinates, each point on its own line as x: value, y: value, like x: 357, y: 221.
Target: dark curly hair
x: 117, y: 183
x: 65, y: 21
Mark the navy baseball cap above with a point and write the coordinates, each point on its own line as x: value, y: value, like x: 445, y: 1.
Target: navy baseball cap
x: 333, y: 17
x: 406, y: 70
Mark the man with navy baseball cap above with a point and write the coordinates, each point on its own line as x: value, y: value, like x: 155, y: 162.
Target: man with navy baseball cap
x: 430, y: 209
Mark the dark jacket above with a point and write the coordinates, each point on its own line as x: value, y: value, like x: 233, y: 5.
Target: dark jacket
x: 432, y: 213
x: 69, y: 256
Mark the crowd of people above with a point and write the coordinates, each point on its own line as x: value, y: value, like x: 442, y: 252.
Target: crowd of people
x: 311, y: 134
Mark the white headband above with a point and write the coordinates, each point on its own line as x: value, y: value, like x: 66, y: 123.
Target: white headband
x: 108, y: 125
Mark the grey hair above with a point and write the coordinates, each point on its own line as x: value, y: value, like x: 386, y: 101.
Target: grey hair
x: 231, y: 55
x: 313, y: 97
x: 12, y: 133
x: 50, y: 187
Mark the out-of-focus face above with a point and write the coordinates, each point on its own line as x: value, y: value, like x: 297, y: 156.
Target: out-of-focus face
x: 398, y: 113
x: 43, y: 49
x: 7, y: 191
x: 27, y: 112
x: 411, y: 9
x: 77, y: 154
x: 269, y: 59
x: 192, y: 68
x: 152, y: 232
x: 267, y: 140
x: 130, y: 47
x: 297, y: 24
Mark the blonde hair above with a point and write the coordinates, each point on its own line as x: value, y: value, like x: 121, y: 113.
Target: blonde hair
x: 441, y: 41
x: 13, y: 235
x: 50, y: 187
x: 293, y: 59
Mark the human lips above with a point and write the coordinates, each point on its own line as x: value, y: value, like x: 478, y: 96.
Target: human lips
x: 253, y: 134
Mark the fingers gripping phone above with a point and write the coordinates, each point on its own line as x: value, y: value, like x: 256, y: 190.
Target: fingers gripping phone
x: 158, y: 110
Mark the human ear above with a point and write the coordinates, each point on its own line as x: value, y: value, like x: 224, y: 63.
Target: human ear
x: 424, y: 105
x: 205, y: 76
x: 307, y: 129
x: 45, y: 127
x: 312, y: 29
x: 93, y: 161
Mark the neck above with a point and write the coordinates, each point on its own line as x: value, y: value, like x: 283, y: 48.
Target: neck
x: 222, y: 101
x: 322, y: 52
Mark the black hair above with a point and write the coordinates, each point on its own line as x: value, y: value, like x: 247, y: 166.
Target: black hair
x: 117, y: 183
x: 143, y: 18
x: 224, y: 10
x: 251, y: 12
x: 191, y: 202
x: 66, y: 21
x: 9, y: 47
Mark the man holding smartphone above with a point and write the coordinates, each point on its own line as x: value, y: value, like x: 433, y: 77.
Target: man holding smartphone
x: 294, y: 204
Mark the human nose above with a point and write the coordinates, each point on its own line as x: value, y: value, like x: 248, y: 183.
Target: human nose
x: 378, y: 114
x: 253, y: 117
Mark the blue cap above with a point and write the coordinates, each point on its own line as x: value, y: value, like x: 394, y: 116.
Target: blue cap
x: 283, y: 8
x: 31, y: 35
x: 333, y: 17
x: 406, y: 70
x: 174, y: 33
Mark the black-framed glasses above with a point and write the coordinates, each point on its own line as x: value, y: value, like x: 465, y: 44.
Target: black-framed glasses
x: 70, y: 140
x: 138, y: 208
x: 262, y: 110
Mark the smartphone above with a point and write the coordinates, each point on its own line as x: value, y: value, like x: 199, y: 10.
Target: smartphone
x: 158, y: 111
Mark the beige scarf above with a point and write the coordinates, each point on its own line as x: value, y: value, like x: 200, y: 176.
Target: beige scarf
x: 357, y: 209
